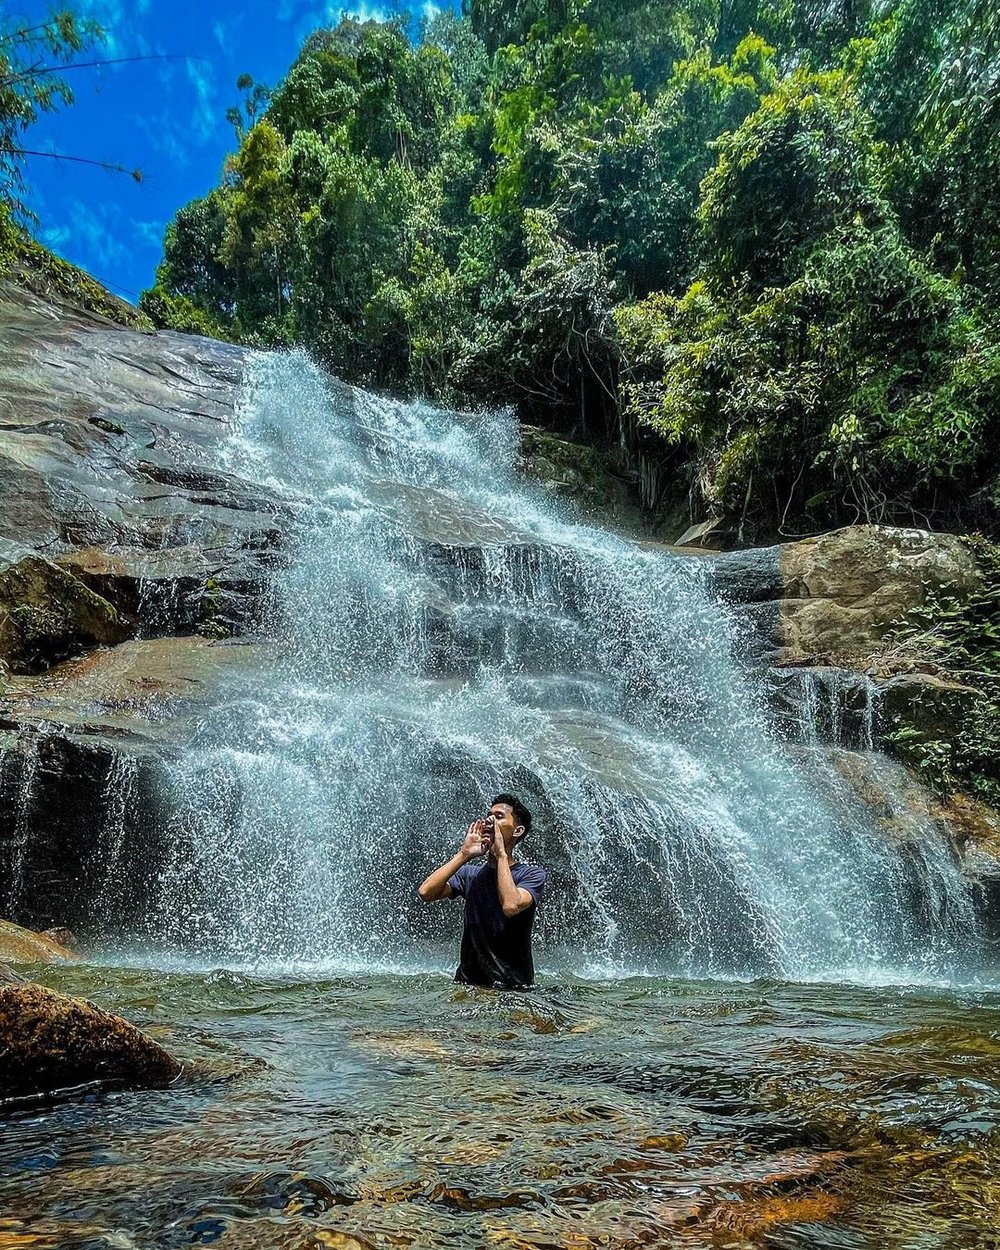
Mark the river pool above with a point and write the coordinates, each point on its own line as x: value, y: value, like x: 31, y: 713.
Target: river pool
x: 382, y: 1111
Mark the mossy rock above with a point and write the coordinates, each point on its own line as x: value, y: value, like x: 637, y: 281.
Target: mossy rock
x: 32, y: 266
x: 594, y: 478
x: 925, y: 707
x: 47, y: 614
x: 53, y: 1043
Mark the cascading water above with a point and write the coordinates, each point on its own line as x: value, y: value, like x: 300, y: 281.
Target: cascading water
x: 21, y: 786
x: 444, y: 633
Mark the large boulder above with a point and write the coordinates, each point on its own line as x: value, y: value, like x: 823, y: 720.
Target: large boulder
x: 834, y: 599
x: 47, y: 614
x: 53, y: 1043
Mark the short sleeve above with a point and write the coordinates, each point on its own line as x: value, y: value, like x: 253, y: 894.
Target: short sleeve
x: 459, y: 881
x: 532, y: 878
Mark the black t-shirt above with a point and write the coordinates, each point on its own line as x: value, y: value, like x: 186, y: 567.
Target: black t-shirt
x: 496, y: 949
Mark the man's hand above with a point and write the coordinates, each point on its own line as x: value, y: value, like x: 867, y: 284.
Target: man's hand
x: 481, y: 838
x: 436, y: 885
x: 476, y: 842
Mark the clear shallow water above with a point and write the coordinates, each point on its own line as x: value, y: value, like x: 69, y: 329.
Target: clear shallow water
x: 406, y: 1111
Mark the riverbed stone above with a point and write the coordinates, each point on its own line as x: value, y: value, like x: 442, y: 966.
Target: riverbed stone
x: 52, y: 1042
x: 20, y: 946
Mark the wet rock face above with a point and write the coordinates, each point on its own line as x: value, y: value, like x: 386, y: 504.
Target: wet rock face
x: 58, y: 826
x: 108, y: 465
x: 82, y: 776
x: 125, y: 554
x: 833, y: 599
x: 820, y: 615
x: 821, y: 704
x: 19, y: 945
x: 54, y: 1043
x: 46, y: 614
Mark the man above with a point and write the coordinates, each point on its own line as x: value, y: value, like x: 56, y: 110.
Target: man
x: 500, y: 898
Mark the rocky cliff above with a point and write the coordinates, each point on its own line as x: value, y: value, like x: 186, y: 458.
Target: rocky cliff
x: 865, y: 635
x: 128, y: 567
x: 137, y: 581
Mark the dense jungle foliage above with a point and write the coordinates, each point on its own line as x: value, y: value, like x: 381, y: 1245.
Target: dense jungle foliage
x: 758, y: 240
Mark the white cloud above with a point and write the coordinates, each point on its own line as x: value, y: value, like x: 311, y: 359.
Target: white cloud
x: 94, y: 235
x: 55, y: 237
x: 149, y: 233
x: 226, y: 31
x: 112, y: 17
x: 364, y: 12
x: 206, y: 112
x: 166, y: 138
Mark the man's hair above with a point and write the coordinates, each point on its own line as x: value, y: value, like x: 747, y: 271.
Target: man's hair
x: 521, y: 814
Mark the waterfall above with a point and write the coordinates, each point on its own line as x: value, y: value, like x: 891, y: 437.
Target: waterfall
x: 18, y: 770
x: 444, y: 632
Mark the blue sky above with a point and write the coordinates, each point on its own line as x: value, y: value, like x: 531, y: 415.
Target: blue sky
x: 165, y: 118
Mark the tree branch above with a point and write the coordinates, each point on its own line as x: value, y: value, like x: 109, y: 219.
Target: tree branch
x: 136, y: 174
x: 118, y: 60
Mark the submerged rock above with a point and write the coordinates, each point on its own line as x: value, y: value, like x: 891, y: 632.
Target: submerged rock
x: 53, y: 1043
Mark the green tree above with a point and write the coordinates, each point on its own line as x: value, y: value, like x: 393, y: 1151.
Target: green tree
x: 820, y: 369
x: 30, y: 84
x: 243, y: 116
x: 758, y: 239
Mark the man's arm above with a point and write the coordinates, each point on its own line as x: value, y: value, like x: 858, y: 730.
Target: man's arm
x: 513, y: 899
x: 436, y: 885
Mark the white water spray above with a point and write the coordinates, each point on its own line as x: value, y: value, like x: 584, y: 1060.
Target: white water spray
x: 444, y: 633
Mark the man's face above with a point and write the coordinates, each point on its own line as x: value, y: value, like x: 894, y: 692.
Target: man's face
x: 504, y: 822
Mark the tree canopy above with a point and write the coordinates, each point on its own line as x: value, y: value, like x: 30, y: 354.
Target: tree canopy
x: 756, y: 241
